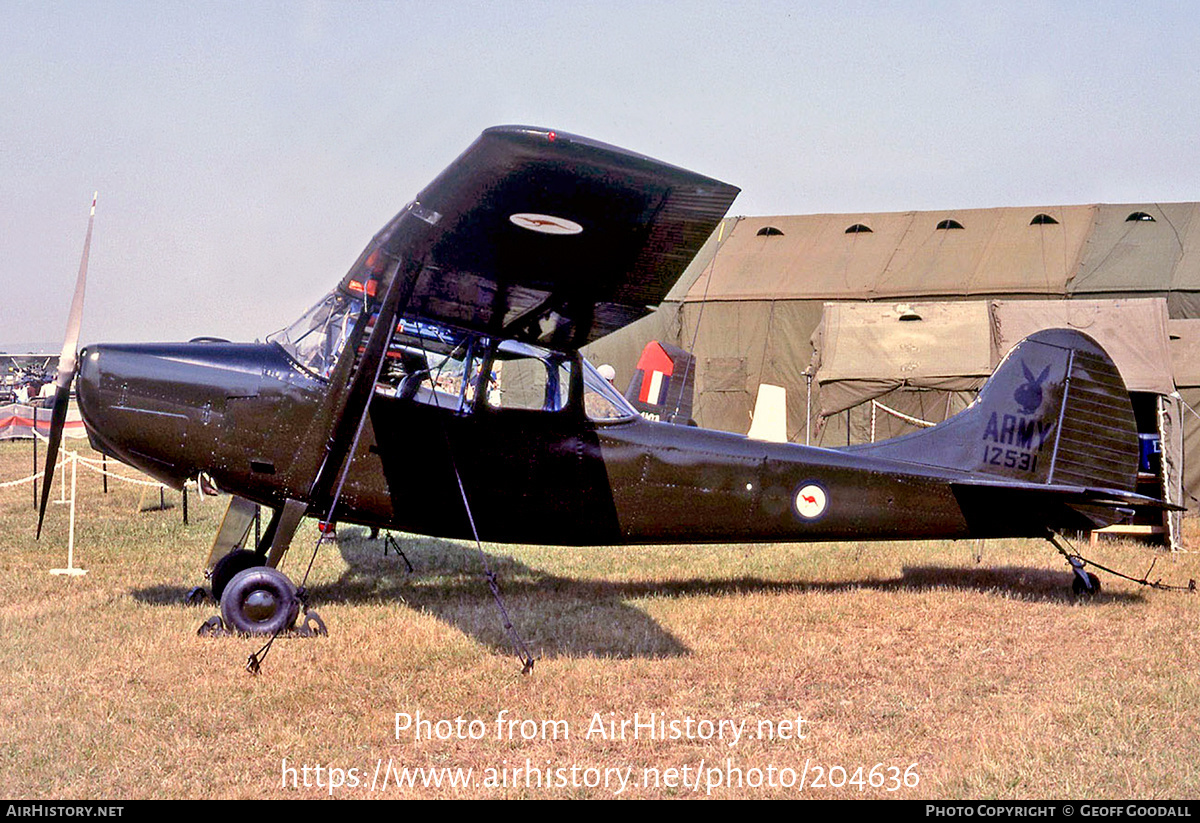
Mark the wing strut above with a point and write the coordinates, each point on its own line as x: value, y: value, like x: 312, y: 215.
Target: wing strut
x: 356, y: 400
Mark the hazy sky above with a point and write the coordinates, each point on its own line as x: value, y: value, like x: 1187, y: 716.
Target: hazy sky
x: 245, y: 152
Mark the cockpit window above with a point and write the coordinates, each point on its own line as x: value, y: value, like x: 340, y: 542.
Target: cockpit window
x: 439, y: 366
x: 315, y: 340
x: 529, y: 378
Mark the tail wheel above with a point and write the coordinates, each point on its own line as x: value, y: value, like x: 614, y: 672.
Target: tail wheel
x: 1080, y: 590
x: 260, y: 600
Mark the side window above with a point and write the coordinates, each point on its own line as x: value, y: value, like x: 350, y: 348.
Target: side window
x: 427, y: 366
x: 527, y: 378
x: 602, y: 407
x: 602, y: 403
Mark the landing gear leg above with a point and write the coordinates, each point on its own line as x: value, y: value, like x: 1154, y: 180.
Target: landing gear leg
x: 284, y: 521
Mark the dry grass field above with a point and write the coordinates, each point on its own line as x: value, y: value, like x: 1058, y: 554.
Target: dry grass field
x: 949, y: 670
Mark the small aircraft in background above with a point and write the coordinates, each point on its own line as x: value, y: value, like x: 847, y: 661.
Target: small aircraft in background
x: 25, y: 377
x: 439, y: 389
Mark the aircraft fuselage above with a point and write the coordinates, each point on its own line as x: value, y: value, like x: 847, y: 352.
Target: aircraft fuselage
x: 244, y: 415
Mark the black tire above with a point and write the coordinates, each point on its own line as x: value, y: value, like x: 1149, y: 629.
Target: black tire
x: 236, y: 561
x: 1080, y: 590
x: 260, y: 600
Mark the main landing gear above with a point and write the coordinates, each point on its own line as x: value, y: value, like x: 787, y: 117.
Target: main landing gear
x: 256, y: 598
x: 260, y: 600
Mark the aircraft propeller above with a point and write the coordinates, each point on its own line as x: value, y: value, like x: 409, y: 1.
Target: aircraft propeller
x: 66, y: 370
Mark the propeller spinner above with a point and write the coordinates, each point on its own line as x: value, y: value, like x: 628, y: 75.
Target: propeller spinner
x: 66, y: 370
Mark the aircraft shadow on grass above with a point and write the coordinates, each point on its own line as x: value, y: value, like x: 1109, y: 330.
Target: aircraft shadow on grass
x: 560, y: 616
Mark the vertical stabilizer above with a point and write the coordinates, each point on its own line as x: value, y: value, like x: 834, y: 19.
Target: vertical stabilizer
x: 1055, y: 412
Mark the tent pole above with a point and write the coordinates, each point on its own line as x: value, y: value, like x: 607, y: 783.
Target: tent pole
x: 807, y: 408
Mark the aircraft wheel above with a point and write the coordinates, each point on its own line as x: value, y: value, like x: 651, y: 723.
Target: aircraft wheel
x: 1078, y: 589
x: 236, y: 561
x: 260, y: 600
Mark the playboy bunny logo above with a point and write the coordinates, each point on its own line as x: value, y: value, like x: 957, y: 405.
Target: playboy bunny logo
x: 1029, y: 394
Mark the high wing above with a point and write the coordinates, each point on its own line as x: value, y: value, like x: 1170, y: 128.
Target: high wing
x: 546, y: 237
x: 530, y: 234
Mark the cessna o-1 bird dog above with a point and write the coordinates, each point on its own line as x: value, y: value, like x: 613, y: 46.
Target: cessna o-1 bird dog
x: 453, y: 345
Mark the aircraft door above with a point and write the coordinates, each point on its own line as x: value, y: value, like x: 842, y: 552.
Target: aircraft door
x: 523, y: 451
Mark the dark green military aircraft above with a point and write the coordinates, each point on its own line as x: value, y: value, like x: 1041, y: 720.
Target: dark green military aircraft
x: 439, y: 389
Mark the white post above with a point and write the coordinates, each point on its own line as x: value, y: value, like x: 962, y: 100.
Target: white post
x: 70, y: 569
x: 62, y: 485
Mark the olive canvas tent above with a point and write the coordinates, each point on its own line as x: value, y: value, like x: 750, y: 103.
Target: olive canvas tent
x: 1185, y: 360
x: 748, y: 305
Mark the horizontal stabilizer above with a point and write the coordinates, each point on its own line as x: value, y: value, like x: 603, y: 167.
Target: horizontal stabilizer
x: 1062, y: 508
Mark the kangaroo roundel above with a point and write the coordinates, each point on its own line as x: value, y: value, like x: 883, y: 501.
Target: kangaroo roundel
x: 545, y: 223
x: 811, y: 501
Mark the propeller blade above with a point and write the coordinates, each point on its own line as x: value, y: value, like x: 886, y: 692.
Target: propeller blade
x: 66, y: 370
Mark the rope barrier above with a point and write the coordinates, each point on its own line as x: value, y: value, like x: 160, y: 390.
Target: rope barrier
x: 95, y: 466
x: 73, y: 459
x: 916, y: 421
x: 89, y: 463
x: 28, y: 479
x: 877, y: 406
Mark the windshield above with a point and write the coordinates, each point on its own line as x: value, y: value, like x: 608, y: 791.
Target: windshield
x: 315, y: 340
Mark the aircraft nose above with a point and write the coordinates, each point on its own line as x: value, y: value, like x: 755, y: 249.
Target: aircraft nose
x: 91, y: 380
x: 128, y: 413
x: 87, y: 382
x: 103, y: 421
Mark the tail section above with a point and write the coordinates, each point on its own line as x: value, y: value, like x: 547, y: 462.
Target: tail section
x: 1053, y: 428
